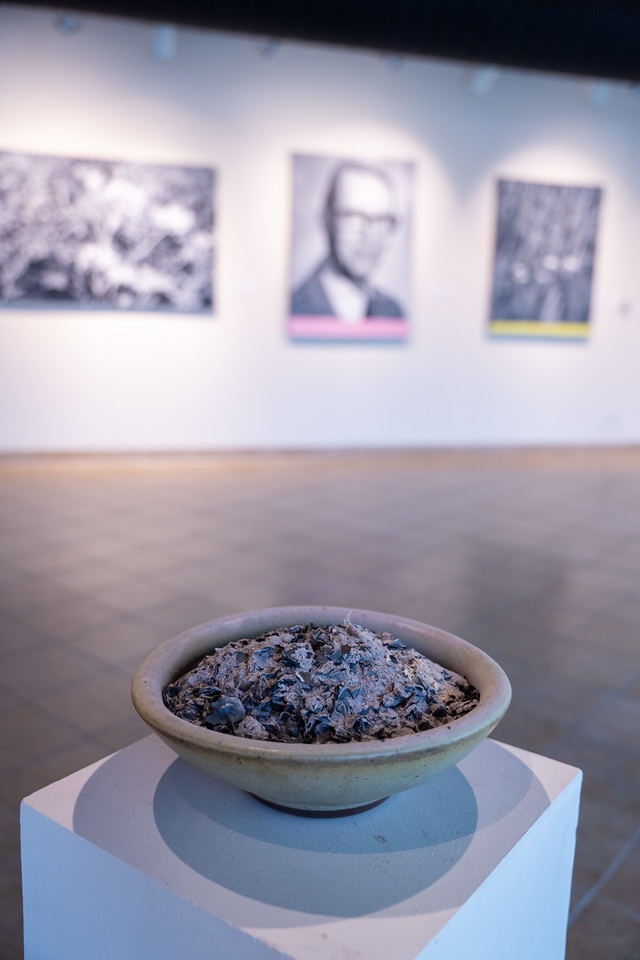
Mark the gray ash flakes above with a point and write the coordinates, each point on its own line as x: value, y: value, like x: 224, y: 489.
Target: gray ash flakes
x: 308, y: 684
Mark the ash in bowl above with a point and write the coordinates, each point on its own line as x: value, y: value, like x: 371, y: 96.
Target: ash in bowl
x: 308, y: 684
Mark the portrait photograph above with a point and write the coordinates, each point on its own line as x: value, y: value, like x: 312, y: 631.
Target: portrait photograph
x: 105, y: 235
x: 544, y: 259
x: 350, y: 249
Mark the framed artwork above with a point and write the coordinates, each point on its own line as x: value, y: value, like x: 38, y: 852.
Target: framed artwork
x: 105, y: 234
x: 544, y: 260
x: 350, y: 249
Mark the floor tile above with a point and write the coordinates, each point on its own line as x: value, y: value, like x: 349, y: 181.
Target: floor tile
x: 28, y: 734
x: 17, y: 638
x: 604, y: 832
x: 52, y: 667
x: 611, y: 772
x: 126, y: 731
x: 67, y: 618
x: 9, y: 834
x: 604, y: 932
x: 20, y: 783
x: 124, y: 640
x: 624, y: 885
x: 92, y: 705
x: 617, y: 721
x: 11, y: 943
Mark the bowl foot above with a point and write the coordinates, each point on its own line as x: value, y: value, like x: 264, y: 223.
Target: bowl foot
x: 296, y: 811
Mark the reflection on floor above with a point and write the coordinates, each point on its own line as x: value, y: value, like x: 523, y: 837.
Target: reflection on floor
x: 534, y: 556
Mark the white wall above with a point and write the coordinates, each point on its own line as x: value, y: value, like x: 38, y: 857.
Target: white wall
x: 123, y: 381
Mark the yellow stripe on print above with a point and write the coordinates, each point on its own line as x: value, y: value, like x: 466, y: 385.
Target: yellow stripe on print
x: 536, y: 328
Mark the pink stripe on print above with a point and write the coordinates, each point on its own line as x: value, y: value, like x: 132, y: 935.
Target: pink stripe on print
x: 330, y: 328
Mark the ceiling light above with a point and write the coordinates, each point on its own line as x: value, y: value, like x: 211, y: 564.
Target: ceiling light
x: 483, y: 80
x: 165, y: 42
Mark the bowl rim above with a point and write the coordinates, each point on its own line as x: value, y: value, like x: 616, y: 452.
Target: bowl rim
x: 177, y: 654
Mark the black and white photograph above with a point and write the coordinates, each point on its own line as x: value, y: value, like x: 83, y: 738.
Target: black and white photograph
x: 544, y: 259
x: 103, y: 234
x: 350, y: 256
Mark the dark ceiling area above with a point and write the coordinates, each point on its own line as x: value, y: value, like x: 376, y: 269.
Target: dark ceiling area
x: 590, y: 38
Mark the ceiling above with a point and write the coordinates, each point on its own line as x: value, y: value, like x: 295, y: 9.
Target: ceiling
x: 591, y: 38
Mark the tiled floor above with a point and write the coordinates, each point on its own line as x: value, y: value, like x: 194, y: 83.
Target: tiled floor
x: 533, y: 556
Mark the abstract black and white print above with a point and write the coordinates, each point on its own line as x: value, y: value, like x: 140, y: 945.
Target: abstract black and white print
x: 105, y: 234
x: 544, y: 260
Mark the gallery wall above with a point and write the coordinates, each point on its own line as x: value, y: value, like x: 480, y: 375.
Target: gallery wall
x: 102, y: 380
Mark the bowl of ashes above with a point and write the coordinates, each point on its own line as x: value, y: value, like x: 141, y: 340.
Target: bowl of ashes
x: 319, y: 710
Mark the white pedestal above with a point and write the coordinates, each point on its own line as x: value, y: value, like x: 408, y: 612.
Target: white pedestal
x: 139, y: 856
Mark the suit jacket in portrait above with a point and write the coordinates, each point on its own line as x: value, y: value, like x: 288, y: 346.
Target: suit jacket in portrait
x: 310, y: 300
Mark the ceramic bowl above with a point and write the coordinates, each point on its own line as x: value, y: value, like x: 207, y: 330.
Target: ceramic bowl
x: 329, y: 779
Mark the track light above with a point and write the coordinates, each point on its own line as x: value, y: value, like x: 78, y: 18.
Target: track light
x: 165, y: 42
x: 269, y: 48
x: 599, y: 93
x: 393, y: 62
x: 483, y: 80
x: 67, y: 24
